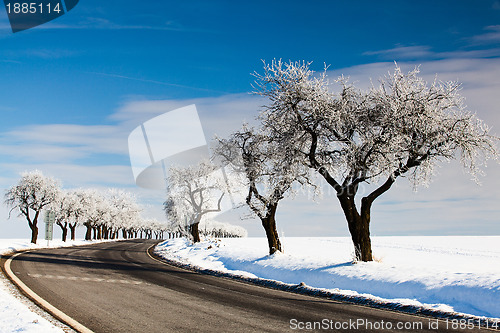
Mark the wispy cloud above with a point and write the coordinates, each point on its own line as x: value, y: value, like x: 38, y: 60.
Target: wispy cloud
x: 99, y: 23
x: 403, y: 52
x: 425, y: 53
x: 492, y: 36
x: 75, y: 146
x: 218, y: 115
x: 483, y: 45
x: 62, y: 142
x: 10, y: 61
x: 74, y: 175
x: 118, y: 76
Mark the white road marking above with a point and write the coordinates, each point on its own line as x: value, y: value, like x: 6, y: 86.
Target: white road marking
x: 86, y: 279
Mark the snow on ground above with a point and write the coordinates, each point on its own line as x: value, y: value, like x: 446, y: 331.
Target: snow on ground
x: 16, y: 315
x: 450, y: 274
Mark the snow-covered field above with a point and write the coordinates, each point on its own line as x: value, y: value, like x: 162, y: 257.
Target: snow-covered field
x: 16, y: 312
x: 450, y: 274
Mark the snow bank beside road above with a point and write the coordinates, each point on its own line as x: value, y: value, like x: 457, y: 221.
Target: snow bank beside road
x: 16, y: 316
x: 453, y: 274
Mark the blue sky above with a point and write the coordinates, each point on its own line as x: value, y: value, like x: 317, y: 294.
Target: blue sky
x: 73, y: 89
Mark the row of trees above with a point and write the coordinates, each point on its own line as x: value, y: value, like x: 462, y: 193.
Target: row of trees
x: 401, y: 127
x: 105, y: 215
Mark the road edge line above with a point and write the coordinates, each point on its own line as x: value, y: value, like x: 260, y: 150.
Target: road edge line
x: 52, y: 310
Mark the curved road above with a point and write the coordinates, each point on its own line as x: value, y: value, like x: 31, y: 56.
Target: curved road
x: 118, y: 287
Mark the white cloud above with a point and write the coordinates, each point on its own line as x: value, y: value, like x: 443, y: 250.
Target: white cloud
x: 63, y: 142
x: 403, y: 52
x: 218, y: 115
x: 74, y: 175
x: 492, y: 36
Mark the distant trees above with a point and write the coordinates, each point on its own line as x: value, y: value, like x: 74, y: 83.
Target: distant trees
x: 210, y: 228
x: 63, y: 207
x: 124, y: 212
x: 30, y: 195
x: 104, y: 214
x: 401, y: 128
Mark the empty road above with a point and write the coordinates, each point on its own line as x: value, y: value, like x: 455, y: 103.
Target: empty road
x: 118, y: 287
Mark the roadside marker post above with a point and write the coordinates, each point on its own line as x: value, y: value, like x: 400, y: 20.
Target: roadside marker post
x: 49, y: 218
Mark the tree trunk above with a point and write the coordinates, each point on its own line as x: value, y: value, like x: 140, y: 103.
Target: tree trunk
x: 269, y: 224
x: 64, y: 229
x: 88, y: 234
x: 64, y: 233
x: 195, y: 232
x: 34, y: 233
x: 104, y: 232
x: 359, y: 227
x: 72, y: 228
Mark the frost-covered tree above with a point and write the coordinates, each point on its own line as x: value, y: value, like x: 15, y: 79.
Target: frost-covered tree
x: 270, y: 174
x: 95, y: 210
x: 174, y: 207
x: 30, y: 195
x: 63, y: 208
x: 123, y: 212
x: 401, y: 128
x: 193, y: 192
x: 81, y: 203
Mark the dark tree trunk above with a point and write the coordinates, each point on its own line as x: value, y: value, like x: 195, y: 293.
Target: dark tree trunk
x: 104, y: 232
x: 269, y: 224
x: 34, y: 233
x: 88, y: 234
x: 72, y: 228
x: 64, y: 229
x: 359, y: 227
x: 33, y: 226
x: 195, y: 232
x: 64, y: 233
x: 124, y: 233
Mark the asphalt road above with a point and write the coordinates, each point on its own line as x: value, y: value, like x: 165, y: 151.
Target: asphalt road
x: 118, y: 287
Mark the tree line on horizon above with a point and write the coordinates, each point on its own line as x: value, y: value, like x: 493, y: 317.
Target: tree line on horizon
x: 105, y: 214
